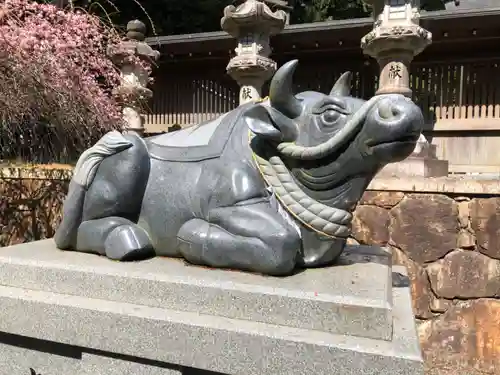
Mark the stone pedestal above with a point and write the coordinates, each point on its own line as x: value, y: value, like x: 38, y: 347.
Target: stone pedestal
x: 423, y: 164
x: 252, y: 23
x: 75, y: 313
x: 395, y: 40
x: 135, y: 72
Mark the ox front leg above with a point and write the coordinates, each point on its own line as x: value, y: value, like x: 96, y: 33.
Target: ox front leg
x: 248, y: 236
x: 115, y: 237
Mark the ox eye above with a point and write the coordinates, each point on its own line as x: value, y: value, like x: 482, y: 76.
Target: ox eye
x: 330, y: 117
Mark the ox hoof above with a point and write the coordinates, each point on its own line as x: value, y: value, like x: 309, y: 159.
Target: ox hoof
x: 128, y: 242
x: 321, y: 252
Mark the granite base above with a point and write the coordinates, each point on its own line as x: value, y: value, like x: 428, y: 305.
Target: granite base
x: 66, y: 312
x: 416, y: 166
x: 422, y: 163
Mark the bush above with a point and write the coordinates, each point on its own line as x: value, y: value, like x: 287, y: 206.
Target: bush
x: 55, y: 82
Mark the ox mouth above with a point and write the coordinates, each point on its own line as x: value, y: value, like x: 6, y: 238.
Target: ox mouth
x: 410, y: 138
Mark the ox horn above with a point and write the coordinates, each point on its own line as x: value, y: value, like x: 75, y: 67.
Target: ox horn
x: 280, y: 91
x: 343, y: 85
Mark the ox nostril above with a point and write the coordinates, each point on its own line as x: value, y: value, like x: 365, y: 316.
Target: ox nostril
x: 387, y: 110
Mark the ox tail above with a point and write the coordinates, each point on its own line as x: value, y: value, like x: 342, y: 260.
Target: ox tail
x: 83, y: 175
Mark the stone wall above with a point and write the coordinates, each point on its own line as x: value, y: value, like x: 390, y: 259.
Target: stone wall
x: 445, y: 231
x: 450, y: 243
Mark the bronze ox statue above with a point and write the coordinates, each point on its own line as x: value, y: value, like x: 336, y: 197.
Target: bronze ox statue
x: 267, y: 187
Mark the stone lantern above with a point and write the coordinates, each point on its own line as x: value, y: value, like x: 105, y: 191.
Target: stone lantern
x: 395, y: 40
x: 252, y: 23
x: 133, y: 91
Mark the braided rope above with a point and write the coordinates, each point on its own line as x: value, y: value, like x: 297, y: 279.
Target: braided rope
x: 325, y: 220
x: 328, y: 221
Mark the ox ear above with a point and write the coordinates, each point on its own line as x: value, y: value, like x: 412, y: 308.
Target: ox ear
x: 343, y: 85
x: 270, y: 124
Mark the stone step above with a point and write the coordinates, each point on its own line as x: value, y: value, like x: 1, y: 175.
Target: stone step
x: 54, y: 333
x: 353, y: 299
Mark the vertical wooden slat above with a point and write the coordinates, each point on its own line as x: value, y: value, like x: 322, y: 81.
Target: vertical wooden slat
x: 213, y: 92
x: 435, y: 89
x: 208, y: 109
x: 164, y: 97
x: 209, y: 99
x: 169, y: 114
x: 477, y: 92
x: 219, y: 99
x: 188, y: 95
x: 154, y: 112
x: 224, y: 98
x: 186, y: 101
x: 484, y: 76
x: 484, y: 90
x: 496, y: 79
x: 491, y: 91
x: 470, y: 91
x: 203, y: 107
x: 456, y: 91
x: 461, y: 98
x: 425, y: 82
x: 414, y: 87
x: 197, y: 118
x: 156, y: 106
x: 159, y: 93
x: 181, y: 103
x: 199, y: 108
x: 173, y: 112
x: 177, y: 108
x: 167, y: 100
x: 448, y: 93
x: 438, y: 77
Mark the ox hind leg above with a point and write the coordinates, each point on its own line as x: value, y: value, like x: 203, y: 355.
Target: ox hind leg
x: 248, y: 236
x: 112, y: 206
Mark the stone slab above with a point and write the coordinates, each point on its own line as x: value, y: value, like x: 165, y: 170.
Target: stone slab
x: 425, y: 150
x: 352, y: 299
x: 464, y: 185
x: 159, y: 337
x: 20, y: 355
x: 416, y: 166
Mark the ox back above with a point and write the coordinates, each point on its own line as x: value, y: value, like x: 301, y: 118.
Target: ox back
x: 201, y: 159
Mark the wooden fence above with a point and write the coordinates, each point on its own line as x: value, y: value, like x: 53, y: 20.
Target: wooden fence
x: 460, y: 101
x: 186, y: 99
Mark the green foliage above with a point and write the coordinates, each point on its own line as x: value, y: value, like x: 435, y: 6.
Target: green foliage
x: 434, y: 4
x: 164, y: 17
x: 171, y: 17
x: 326, y: 10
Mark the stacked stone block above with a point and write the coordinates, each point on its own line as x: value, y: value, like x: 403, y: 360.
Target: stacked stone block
x: 451, y: 248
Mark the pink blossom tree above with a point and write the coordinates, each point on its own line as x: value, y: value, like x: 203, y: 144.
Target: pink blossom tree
x: 55, y: 81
